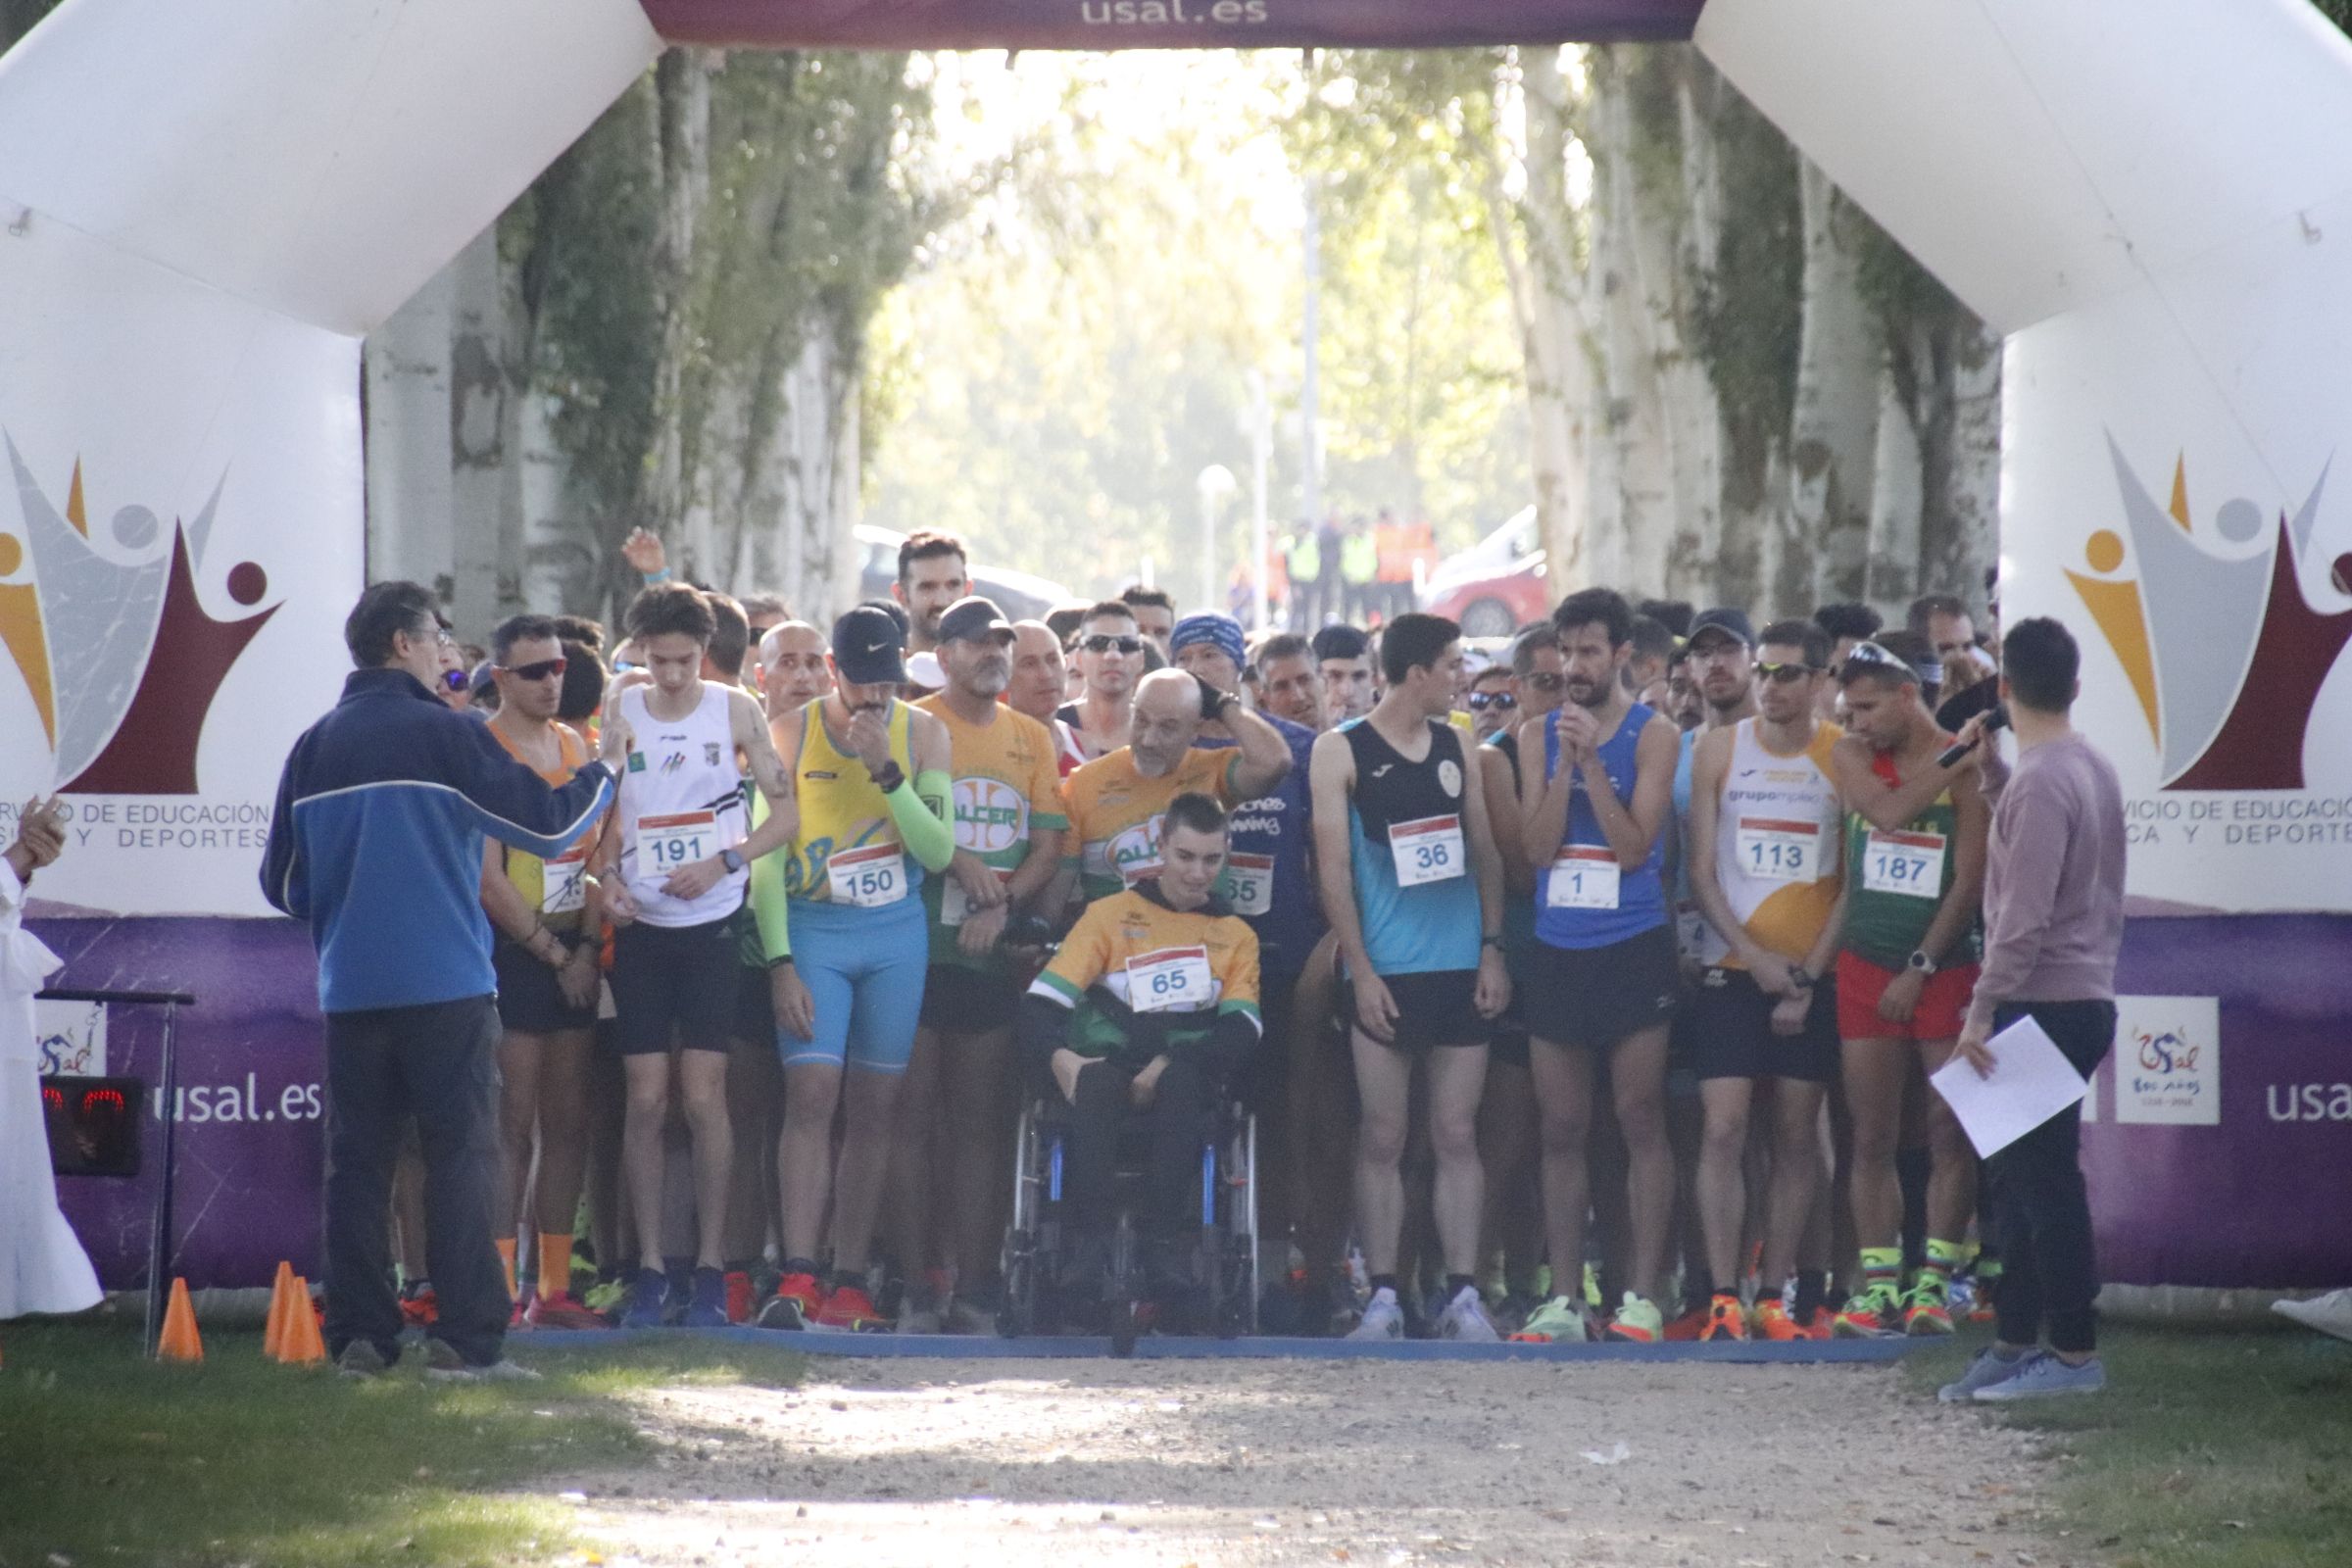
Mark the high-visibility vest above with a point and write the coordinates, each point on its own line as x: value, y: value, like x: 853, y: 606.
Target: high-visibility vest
x: 1304, y: 554
x: 1359, y: 558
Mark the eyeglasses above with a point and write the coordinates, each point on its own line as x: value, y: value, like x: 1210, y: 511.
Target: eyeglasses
x: 1787, y: 675
x: 1544, y: 680
x: 1104, y: 642
x: 457, y: 681
x: 1480, y: 702
x: 540, y: 670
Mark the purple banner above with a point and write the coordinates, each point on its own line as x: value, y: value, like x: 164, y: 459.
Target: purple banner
x: 1163, y: 23
x: 2219, y: 1145
x: 252, y: 1095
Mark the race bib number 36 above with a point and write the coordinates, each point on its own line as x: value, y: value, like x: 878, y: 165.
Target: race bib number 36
x: 867, y: 877
x: 1909, y: 863
x: 1170, y: 980
x: 1584, y: 876
x: 1772, y: 849
x: 668, y: 843
x: 1427, y: 849
x: 1249, y: 883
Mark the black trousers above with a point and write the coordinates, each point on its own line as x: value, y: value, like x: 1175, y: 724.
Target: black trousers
x: 437, y: 1063
x: 2049, y: 1276
x: 1172, y: 1172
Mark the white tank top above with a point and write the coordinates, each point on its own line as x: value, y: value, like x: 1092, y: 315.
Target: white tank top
x: 681, y: 800
x: 1778, y: 843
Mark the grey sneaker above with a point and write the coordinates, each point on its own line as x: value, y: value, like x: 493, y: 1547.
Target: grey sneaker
x: 2330, y: 1314
x: 443, y: 1364
x: 1383, y: 1318
x: 1983, y: 1368
x: 361, y: 1359
x: 1465, y: 1319
x: 2044, y: 1377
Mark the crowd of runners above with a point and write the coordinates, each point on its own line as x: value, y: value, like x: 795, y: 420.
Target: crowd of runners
x: 1581, y: 984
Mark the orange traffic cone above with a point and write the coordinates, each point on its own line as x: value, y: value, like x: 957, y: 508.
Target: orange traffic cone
x: 301, y: 1344
x: 179, y: 1341
x: 281, y: 1300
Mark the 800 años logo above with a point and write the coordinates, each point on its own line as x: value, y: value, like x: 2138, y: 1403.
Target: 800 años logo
x: 110, y: 637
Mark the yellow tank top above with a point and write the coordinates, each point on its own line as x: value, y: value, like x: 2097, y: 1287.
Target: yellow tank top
x: 556, y: 889
x: 841, y: 809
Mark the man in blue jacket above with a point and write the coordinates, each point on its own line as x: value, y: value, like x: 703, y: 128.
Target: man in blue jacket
x: 376, y: 841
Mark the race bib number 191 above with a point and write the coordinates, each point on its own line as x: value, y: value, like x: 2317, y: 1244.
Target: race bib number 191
x: 670, y: 843
x: 1427, y: 849
x: 1169, y: 980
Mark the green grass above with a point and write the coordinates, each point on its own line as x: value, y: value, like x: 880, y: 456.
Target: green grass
x: 105, y: 1458
x: 2216, y: 1449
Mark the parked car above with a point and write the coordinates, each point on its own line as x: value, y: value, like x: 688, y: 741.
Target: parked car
x: 1496, y: 585
x: 1019, y: 595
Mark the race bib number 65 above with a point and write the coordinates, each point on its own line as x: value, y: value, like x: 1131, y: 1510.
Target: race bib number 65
x: 1169, y: 980
x: 1427, y: 849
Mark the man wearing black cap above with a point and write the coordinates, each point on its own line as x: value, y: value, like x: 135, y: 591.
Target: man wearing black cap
x: 872, y: 779
x: 1343, y: 655
x: 961, y: 1094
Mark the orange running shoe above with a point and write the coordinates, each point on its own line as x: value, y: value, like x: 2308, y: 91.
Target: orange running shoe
x: 1727, y: 1319
x: 850, y: 1307
x: 1689, y: 1327
x: 740, y: 1301
x: 422, y: 1309
x: 1773, y: 1322
x: 563, y: 1312
x: 1926, y: 1315
x: 1819, y: 1328
x: 798, y: 1300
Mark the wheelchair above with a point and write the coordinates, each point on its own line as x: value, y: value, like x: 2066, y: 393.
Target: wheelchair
x: 1224, y: 1260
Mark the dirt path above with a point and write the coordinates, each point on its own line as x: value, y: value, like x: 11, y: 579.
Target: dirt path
x: 880, y: 1463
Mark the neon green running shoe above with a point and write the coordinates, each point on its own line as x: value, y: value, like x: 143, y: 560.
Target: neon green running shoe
x: 1559, y: 1321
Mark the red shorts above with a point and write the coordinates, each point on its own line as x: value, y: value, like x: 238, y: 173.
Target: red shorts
x: 1943, y: 1002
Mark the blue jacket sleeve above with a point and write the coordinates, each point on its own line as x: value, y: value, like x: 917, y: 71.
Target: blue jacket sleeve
x: 284, y: 881
x: 516, y: 806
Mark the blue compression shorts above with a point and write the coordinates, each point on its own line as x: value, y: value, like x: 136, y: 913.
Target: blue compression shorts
x: 864, y: 973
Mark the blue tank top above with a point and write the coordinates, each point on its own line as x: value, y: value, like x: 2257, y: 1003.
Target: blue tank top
x: 1640, y: 891
x: 1434, y: 926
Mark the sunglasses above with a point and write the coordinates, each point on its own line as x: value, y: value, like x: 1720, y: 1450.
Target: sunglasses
x: 1544, y: 680
x: 1103, y: 643
x: 1480, y: 702
x: 1786, y: 674
x: 537, y: 671
x: 457, y: 681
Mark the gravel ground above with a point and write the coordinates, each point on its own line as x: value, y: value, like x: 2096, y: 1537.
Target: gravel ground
x: 1270, y: 1462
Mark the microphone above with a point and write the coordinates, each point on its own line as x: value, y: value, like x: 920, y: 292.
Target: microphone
x: 1997, y: 718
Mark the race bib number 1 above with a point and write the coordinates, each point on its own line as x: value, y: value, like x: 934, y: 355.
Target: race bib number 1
x: 1249, y: 883
x: 670, y: 843
x: 1909, y: 863
x: 1584, y: 876
x: 1169, y: 980
x: 867, y: 877
x: 1772, y: 849
x: 1427, y: 849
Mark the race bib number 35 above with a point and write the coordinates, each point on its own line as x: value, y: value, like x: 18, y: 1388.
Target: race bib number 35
x: 1428, y: 850
x: 1170, y: 980
x: 1772, y: 849
x: 668, y: 843
x: 1249, y: 883
x: 1584, y: 876
x: 867, y: 877
x: 1909, y: 863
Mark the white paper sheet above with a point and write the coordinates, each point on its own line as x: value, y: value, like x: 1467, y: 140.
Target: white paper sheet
x: 2032, y: 1081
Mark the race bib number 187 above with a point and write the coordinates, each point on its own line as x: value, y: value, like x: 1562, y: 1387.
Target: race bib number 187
x: 1909, y: 863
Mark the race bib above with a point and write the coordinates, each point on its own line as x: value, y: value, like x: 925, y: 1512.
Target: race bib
x: 1773, y: 849
x: 1249, y: 883
x: 1909, y: 863
x: 564, y: 882
x: 668, y: 843
x: 1584, y: 876
x: 954, y: 905
x: 1169, y: 980
x: 867, y: 877
x: 1428, y: 850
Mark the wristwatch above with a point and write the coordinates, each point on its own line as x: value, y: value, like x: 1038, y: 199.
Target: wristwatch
x: 1921, y: 962
x: 733, y: 862
x: 1800, y: 977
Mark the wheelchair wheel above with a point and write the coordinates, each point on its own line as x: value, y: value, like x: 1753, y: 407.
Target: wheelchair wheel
x: 1123, y: 1294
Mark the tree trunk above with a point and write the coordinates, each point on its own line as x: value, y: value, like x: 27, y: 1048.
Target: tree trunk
x: 1895, y: 504
x: 408, y: 409
x: 682, y: 94
x: 1974, y: 505
x: 1831, y: 440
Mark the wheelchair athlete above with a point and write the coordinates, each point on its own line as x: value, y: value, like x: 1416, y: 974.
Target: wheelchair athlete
x: 1149, y: 1006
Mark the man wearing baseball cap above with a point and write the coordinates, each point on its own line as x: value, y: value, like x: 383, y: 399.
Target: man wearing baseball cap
x: 960, y: 1095
x: 871, y: 774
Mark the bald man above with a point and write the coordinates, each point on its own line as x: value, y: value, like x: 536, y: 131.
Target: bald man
x: 791, y: 667
x: 1039, y: 677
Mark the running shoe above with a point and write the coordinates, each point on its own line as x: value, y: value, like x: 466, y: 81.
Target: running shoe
x: 1383, y: 1318
x: 2043, y: 1376
x: 1819, y: 1327
x: 850, y: 1309
x: 1985, y: 1368
x: 649, y: 1300
x: 707, y: 1308
x: 1926, y: 1314
x: 519, y: 1312
x: 1867, y: 1316
x: 1727, y: 1319
x: 609, y: 1296
x: 563, y: 1312
x: 1559, y: 1321
x: 419, y: 1307
x: 1465, y: 1319
x: 794, y: 1305
x: 2331, y: 1314
x: 1771, y: 1321
x: 1637, y: 1321
x: 1688, y: 1327
x: 443, y: 1364
x: 740, y: 1299
x: 973, y: 1312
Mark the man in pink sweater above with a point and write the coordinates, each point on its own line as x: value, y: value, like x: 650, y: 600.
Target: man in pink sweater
x: 2054, y: 924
